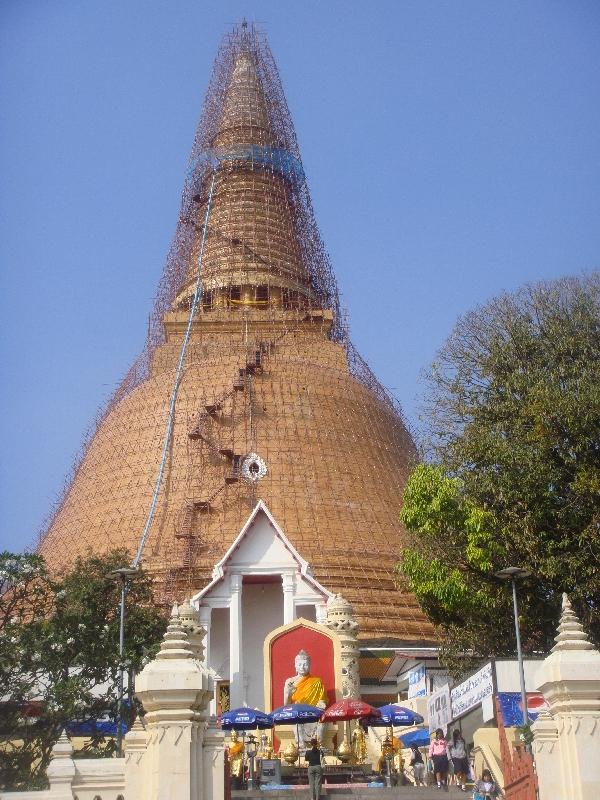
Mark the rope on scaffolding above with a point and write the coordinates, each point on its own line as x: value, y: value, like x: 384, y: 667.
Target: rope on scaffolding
x: 178, y: 377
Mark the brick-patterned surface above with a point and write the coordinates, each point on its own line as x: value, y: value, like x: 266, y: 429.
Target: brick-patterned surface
x: 336, y: 449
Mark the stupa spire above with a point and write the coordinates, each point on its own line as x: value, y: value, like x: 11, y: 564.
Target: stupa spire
x: 571, y: 635
x: 262, y: 250
x: 245, y: 117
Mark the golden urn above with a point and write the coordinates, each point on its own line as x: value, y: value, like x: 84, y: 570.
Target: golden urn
x: 290, y: 754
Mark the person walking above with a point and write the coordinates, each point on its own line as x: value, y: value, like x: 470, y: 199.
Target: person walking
x: 457, y: 753
x: 486, y: 788
x: 418, y: 765
x: 315, y: 770
x: 438, y: 753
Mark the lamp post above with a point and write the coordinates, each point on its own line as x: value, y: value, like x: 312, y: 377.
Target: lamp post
x: 123, y: 574
x: 511, y: 574
x: 251, y: 750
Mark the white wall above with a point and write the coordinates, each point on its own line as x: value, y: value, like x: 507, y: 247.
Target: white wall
x: 219, y: 641
x: 262, y: 611
x: 507, y: 674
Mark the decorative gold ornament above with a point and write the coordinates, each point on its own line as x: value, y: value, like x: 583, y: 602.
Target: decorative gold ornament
x: 236, y: 756
x: 266, y: 746
x: 344, y: 751
x: 290, y: 754
x: 359, y: 745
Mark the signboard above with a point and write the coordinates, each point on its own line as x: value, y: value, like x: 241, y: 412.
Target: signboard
x: 439, y: 709
x: 511, y: 707
x: 417, y: 682
x: 270, y: 770
x: 472, y: 692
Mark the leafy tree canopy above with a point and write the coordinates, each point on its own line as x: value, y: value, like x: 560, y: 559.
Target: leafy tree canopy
x: 511, y: 474
x: 59, y: 659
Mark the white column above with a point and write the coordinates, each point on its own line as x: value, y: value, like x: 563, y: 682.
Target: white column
x: 287, y: 582
x: 321, y: 613
x: 213, y: 768
x: 204, y: 616
x: 235, y: 641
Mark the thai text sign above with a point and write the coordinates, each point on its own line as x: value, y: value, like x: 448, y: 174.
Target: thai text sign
x: 439, y: 709
x: 471, y: 692
x: 417, y: 685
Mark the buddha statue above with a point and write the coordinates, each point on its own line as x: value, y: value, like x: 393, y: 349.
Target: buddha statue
x: 309, y: 690
x: 304, y: 687
x: 236, y: 759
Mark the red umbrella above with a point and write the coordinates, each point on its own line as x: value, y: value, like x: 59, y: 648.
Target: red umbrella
x: 348, y: 709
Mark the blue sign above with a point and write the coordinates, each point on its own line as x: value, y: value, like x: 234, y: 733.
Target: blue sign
x: 417, y: 685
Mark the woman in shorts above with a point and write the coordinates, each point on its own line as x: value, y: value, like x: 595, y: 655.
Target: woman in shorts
x: 418, y: 765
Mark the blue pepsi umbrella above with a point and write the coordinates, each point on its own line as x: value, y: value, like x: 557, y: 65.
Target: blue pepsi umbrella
x: 420, y: 738
x: 245, y: 719
x: 296, y: 714
x: 393, y: 716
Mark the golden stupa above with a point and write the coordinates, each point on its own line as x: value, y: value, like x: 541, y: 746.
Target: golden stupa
x: 273, y: 402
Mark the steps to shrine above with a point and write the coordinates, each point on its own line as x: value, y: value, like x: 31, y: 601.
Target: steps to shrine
x: 356, y: 793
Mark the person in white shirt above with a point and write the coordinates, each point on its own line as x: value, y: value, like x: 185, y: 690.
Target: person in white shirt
x: 457, y: 752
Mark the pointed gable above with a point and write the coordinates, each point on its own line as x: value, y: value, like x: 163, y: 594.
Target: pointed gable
x: 262, y: 548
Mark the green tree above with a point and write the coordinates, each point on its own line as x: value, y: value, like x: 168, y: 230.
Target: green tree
x: 59, y: 659
x: 511, y: 472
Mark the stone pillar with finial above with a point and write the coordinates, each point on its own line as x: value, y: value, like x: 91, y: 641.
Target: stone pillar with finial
x: 340, y: 618
x: 195, y: 630
x: 174, y: 689
x: 213, y: 748
x: 135, y: 749
x: 61, y: 769
x: 566, y: 743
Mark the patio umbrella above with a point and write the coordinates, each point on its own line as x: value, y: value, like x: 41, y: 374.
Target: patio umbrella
x: 296, y: 714
x: 245, y: 719
x: 393, y: 716
x: 419, y: 737
x: 345, y: 710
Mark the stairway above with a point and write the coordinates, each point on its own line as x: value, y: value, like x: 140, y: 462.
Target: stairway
x: 357, y: 793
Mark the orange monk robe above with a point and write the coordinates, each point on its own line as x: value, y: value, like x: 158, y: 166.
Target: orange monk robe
x: 235, y: 748
x: 309, y: 690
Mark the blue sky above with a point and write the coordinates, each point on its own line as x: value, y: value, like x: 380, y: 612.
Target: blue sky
x: 452, y: 150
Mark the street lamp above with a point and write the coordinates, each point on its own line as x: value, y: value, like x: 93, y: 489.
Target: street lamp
x: 251, y: 751
x: 123, y: 574
x: 512, y: 574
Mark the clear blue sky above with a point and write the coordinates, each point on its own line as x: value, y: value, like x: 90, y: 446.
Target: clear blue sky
x: 452, y: 150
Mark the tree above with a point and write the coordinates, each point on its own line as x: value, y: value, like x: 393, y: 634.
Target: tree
x: 512, y: 470
x: 59, y: 660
